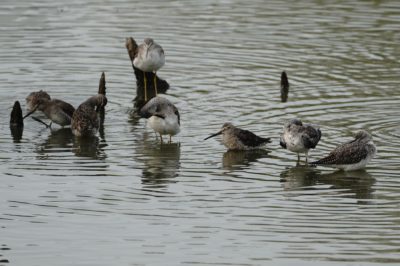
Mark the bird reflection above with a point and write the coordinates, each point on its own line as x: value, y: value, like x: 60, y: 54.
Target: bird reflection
x: 238, y: 159
x: 91, y: 147
x: 358, y: 183
x: 60, y: 138
x: 162, y: 163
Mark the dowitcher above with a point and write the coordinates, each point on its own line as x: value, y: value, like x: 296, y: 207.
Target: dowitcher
x: 239, y: 139
x: 162, y: 115
x: 300, y: 138
x: 33, y: 97
x: 85, y: 121
x: 352, y: 155
x: 57, y: 111
x: 149, y: 58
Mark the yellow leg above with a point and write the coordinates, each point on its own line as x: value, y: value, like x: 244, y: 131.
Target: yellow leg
x: 145, y: 86
x: 155, y: 83
x: 170, y: 138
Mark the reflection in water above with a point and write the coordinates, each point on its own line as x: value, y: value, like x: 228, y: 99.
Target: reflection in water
x: 16, y: 133
x: 358, y: 183
x: 60, y: 138
x: 162, y: 162
x: 236, y: 160
x: 89, y: 147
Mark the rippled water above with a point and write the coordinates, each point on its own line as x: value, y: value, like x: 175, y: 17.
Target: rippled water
x: 124, y: 199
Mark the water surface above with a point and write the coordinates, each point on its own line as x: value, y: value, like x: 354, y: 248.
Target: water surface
x: 121, y: 198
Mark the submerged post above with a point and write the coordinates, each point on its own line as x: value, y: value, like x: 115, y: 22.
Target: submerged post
x: 284, y: 87
x: 162, y: 85
x: 16, y: 122
x: 101, y: 110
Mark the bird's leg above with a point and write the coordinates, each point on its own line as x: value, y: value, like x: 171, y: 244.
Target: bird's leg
x: 145, y: 86
x: 161, y: 138
x: 306, y: 158
x: 155, y: 83
x: 170, y: 139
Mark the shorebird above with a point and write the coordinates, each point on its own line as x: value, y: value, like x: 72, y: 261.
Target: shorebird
x: 239, y: 139
x: 85, y: 121
x: 163, y: 116
x: 352, y: 155
x: 300, y: 138
x: 57, y: 111
x: 33, y: 97
x: 149, y: 58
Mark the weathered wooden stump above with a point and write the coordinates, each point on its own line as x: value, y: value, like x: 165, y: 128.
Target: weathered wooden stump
x: 284, y: 87
x: 16, y: 122
x: 101, y: 110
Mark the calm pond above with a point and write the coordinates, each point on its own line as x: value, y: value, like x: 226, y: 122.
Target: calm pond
x: 122, y: 198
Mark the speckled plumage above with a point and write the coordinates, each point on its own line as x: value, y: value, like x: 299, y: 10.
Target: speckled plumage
x: 240, y: 139
x: 352, y: 155
x: 300, y: 138
x: 85, y: 120
x: 163, y: 116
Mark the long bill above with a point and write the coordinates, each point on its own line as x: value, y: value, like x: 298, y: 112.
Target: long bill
x: 213, y: 135
x: 31, y: 112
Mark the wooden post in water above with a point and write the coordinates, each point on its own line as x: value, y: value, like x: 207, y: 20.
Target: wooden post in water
x: 16, y: 122
x: 101, y: 110
x: 162, y: 85
x: 284, y: 87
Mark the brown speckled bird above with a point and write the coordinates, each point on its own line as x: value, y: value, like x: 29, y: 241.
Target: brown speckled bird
x: 85, y: 120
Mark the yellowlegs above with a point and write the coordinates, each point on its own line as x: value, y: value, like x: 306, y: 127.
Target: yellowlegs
x: 239, y: 139
x: 149, y: 58
x: 352, y: 155
x: 163, y: 116
x: 85, y: 121
x: 300, y: 138
x: 57, y: 111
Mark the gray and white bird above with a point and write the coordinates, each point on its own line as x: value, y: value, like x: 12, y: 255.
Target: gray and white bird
x: 239, y: 139
x: 352, y: 155
x: 300, y: 138
x: 150, y: 57
x: 163, y: 117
